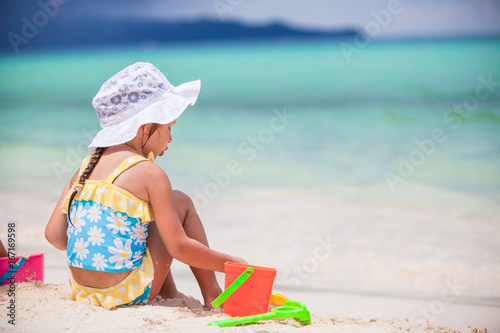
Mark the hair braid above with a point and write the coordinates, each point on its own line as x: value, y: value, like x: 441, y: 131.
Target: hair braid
x: 94, y: 158
x: 90, y: 166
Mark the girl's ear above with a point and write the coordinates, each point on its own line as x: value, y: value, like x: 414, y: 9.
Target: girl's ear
x: 146, y: 129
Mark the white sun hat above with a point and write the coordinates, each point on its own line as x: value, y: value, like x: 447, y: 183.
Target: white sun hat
x: 137, y: 95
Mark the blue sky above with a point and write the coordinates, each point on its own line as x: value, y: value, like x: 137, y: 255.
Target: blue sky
x: 428, y: 18
x: 409, y: 18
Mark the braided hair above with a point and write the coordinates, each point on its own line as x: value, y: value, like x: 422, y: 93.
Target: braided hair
x: 94, y: 158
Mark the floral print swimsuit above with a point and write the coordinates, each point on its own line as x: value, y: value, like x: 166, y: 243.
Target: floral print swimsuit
x: 107, y: 233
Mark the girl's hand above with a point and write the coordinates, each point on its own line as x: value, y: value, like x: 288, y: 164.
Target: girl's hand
x: 240, y: 261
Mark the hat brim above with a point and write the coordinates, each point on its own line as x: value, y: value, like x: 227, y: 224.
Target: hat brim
x: 161, y: 112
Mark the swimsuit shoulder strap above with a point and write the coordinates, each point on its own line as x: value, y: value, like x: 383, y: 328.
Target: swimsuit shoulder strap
x: 130, y: 161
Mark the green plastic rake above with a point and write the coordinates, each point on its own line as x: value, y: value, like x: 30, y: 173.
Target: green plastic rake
x: 291, y: 309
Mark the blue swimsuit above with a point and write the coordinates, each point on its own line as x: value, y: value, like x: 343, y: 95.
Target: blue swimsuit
x: 108, y: 233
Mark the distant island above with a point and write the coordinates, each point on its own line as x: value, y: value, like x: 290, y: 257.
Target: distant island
x: 65, y: 33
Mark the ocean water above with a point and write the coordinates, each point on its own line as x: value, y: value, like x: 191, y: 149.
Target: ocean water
x: 394, y: 153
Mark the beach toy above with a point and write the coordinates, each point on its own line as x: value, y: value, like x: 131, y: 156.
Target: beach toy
x: 291, y: 309
x: 277, y: 299
x: 26, y: 267
x: 247, y: 289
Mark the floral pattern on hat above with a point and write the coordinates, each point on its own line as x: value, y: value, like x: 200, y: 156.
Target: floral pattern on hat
x: 137, y: 95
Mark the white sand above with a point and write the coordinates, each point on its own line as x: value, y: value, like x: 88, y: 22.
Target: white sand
x: 341, y: 298
x: 46, y: 308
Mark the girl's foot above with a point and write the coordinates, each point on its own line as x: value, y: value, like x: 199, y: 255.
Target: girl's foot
x: 210, y: 295
x: 176, y: 294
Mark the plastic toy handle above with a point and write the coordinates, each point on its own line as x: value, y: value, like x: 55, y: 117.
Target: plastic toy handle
x: 232, y: 287
x: 291, y: 309
x: 243, y: 320
x: 13, y: 270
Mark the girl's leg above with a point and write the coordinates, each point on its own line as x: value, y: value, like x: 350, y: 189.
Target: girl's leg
x: 161, y: 262
x: 163, y: 283
x: 194, y: 229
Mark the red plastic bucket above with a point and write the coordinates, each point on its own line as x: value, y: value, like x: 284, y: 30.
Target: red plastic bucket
x: 32, y: 269
x: 252, y: 297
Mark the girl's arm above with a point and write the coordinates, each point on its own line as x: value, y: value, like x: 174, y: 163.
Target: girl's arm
x: 55, y: 231
x: 178, y: 244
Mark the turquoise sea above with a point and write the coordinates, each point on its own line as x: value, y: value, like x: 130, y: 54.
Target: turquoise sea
x: 354, y: 122
x: 297, y: 131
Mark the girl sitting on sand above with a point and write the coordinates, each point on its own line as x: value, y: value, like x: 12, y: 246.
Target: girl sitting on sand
x: 118, y: 218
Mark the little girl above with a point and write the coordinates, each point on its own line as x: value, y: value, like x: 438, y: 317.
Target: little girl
x: 118, y: 218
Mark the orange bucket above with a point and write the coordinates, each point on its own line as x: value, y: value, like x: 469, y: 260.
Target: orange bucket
x: 253, y: 296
